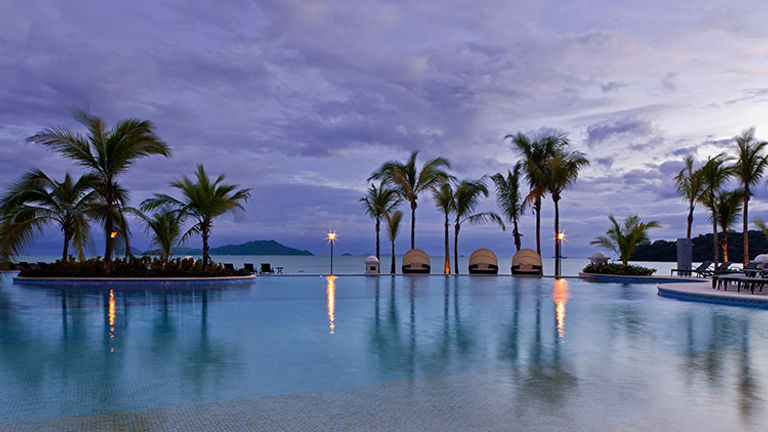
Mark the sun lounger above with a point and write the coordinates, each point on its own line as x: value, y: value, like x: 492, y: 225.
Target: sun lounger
x: 266, y: 268
x: 249, y: 268
x: 228, y: 266
x: 702, y: 270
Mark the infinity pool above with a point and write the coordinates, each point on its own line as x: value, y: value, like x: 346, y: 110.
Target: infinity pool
x: 381, y: 353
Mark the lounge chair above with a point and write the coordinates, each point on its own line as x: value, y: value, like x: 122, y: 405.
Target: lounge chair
x: 702, y: 270
x: 249, y: 268
x: 483, y: 261
x: 228, y: 266
x: 742, y: 280
x: 527, y: 262
x: 266, y: 268
x: 416, y: 261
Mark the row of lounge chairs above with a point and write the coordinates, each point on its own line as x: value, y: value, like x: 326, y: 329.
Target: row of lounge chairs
x: 482, y: 261
x: 706, y: 269
x: 265, y: 268
x: 754, y: 276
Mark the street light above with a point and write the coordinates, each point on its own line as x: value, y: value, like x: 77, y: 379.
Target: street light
x: 332, y: 239
x: 560, y: 237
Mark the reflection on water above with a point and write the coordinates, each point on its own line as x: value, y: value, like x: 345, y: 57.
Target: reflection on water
x: 560, y: 296
x: 629, y: 352
x: 111, y: 315
x: 331, y: 294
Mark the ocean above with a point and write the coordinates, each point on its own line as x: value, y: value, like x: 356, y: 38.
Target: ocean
x: 355, y: 264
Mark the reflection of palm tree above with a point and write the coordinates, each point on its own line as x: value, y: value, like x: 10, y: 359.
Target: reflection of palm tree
x: 549, y: 380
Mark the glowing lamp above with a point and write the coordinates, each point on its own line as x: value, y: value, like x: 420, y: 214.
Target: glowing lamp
x: 560, y: 236
x: 113, y: 234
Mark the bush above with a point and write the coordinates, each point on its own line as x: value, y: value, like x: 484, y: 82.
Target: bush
x: 131, y: 267
x: 619, y: 269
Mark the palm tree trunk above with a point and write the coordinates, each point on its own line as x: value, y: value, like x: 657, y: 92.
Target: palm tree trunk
x: 447, y: 248
x: 65, y: 253
x: 378, y: 226
x: 537, y: 208
x: 716, y: 243
x: 745, y: 227
x: 690, y: 221
x: 205, y: 235
x: 126, y: 240
x: 413, y: 224
x: 456, y: 229
x: 516, y: 233
x: 392, y: 271
x: 725, y: 246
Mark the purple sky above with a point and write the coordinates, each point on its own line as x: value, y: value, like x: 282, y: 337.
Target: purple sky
x: 301, y: 101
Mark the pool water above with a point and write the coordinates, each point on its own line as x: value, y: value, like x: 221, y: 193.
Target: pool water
x: 379, y: 353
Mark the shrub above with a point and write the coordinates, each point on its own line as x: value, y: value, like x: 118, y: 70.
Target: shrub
x: 131, y: 267
x: 619, y: 269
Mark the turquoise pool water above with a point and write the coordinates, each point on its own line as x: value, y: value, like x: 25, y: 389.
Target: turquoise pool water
x: 381, y: 353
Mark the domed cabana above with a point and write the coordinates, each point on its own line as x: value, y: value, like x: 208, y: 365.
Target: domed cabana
x: 372, y: 265
x: 598, y: 258
x: 416, y: 261
x: 483, y: 261
x: 526, y: 262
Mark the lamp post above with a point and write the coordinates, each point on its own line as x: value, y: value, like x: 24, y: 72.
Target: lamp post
x: 332, y: 239
x: 560, y: 237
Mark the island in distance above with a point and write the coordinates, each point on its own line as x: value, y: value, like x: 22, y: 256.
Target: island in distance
x: 255, y: 247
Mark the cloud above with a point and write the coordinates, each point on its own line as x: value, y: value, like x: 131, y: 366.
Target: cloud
x: 304, y: 100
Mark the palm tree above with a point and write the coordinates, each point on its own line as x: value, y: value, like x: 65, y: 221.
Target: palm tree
x: 509, y: 200
x: 535, y: 154
x: 378, y: 200
x: 728, y: 205
x: 409, y: 181
x: 562, y: 169
x: 36, y: 200
x: 689, y: 186
x: 105, y: 154
x: 623, y: 239
x: 165, y: 228
x: 749, y: 169
x: 444, y: 201
x: 466, y: 198
x: 393, y: 229
x: 202, y: 200
x: 714, y: 174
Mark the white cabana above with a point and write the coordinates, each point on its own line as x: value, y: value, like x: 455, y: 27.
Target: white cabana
x: 372, y: 265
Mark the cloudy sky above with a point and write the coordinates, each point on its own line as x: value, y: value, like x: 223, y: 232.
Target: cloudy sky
x: 302, y: 100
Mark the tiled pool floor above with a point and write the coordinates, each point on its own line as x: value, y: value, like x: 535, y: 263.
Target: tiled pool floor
x: 493, y: 400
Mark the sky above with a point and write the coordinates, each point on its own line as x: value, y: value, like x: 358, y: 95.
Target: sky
x: 301, y: 101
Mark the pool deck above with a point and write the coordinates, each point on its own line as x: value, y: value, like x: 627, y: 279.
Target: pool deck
x: 703, y: 292
x: 597, y: 277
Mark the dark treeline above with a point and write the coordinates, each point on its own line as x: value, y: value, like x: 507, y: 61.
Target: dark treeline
x: 663, y: 250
